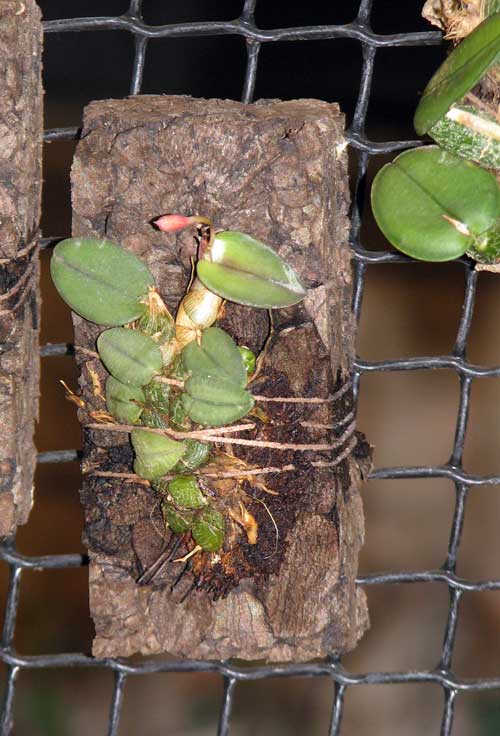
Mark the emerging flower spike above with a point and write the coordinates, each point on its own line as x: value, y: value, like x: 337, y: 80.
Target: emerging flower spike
x: 172, y: 223
x: 238, y: 267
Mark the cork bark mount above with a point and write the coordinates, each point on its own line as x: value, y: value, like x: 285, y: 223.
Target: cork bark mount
x: 21, y: 133
x: 276, y: 171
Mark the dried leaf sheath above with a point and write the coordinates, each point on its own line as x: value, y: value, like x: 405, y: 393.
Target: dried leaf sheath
x: 270, y: 170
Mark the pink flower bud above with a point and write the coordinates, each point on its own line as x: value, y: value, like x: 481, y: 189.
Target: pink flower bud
x: 172, y: 223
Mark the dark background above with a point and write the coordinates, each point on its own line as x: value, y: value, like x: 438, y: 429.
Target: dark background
x: 409, y: 417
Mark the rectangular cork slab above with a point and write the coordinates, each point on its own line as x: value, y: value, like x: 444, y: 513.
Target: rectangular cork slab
x: 275, y: 170
x: 21, y: 136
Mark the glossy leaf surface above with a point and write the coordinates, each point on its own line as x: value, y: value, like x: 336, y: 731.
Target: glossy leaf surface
x: 155, y: 454
x: 124, y: 402
x: 459, y: 73
x: 426, y: 201
x: 249, y: 360
x: 99, y: 280
x: 247, y: 271
x: 130, y: 356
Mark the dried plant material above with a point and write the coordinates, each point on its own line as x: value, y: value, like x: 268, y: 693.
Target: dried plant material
x: 455, y: 18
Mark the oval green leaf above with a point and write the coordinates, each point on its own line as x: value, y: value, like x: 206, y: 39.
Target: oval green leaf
x: 426, y: 201
x: 124, y: 402
x: 244, y: 270
x: 463, y: 69
x: 99, y: 280
x: 155, y: 454
x: 186, y: 493
x: 215, y: 401
x: 130, y: 356
x: 208, y: 529
x: 217, y: 357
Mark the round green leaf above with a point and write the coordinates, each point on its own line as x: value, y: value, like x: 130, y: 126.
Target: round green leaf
x: 461, y: 71
x: 215, y: 401
x: 124, y: 402
x: 130, y: 356
x: 244, y: 270
x: 217, y: 357
x: 99, y: 280
x: 208, y: 529
x: 185, y: 492
x: 426, y: 201
x: 155, y: 454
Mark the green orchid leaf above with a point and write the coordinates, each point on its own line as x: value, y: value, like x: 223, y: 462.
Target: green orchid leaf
x: 217, y: 357
x: 186, y: 493
x: 154, y: 420
x: 100, y: 281
x: 178, y: 417
x: 461, y: 71
x: 244, y: 270
x: 130, y: 356
x: 249, y: 359
x: 430, y: 204
x: 179, y: 521
x: 157, y: 395
x: 155, y: 454
x: 124, y: 402
x: 195, y: 455
x: 470, y: 133
x: 157, y: 398
x: 486, y: 247
x: 207, y: 529
x: 215, y: 401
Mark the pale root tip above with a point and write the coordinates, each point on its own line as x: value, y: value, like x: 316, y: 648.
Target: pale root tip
x: 172, y: 223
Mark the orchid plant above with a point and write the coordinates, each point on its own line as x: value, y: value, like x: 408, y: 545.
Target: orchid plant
x: 171, y: 377
x: 436, y: 203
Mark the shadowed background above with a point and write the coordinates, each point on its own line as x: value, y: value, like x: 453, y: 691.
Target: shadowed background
x: 408, y: 310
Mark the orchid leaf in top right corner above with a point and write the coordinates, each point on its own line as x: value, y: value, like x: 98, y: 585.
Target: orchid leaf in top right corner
x: 459, y: 73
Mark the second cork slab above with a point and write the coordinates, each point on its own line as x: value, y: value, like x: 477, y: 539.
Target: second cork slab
x: 277, y: 171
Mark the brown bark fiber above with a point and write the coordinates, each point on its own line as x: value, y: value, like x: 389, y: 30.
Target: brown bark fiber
x: 276, y: 170
x: 21, y: 135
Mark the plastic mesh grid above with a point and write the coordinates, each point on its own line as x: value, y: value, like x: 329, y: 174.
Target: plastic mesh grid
x: 442, y: 675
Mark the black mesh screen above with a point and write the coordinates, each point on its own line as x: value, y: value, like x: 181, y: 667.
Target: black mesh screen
x: 370, y: 44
